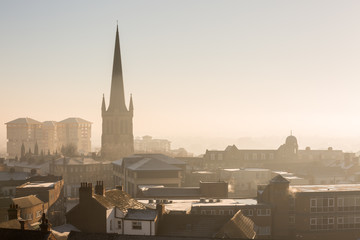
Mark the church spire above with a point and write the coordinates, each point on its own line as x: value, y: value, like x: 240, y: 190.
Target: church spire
x: 117, y: 98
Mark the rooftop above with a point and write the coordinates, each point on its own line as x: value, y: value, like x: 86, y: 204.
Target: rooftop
x: 74, y: 120
x: 186, y: 205
x: 24, y: 121
x: 37, y: 185
x: 78, y: 161
x: 172, y: 192
x: 141, y: 214
x: 118, y: 198
x: 150, y: 164
x: 326, y: 188
x: 28, y: 201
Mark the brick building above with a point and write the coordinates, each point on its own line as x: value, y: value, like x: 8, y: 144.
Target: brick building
x: 81, y: 169
x: 312, y: 211
x: 50, y: 190
x: 112, y: 211
x: 148, y: 169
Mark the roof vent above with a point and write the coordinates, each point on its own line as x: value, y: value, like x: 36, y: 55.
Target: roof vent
x: 151, y: 201
x: 202, y: 200
x: 211, y: 200
x: 218, y: 200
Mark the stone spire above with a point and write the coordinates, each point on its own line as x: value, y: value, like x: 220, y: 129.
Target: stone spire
x: 36, y: 149
x: 22, y: 150
x: 131, y: 105
x: 103, y: 105
x: 117, y: 96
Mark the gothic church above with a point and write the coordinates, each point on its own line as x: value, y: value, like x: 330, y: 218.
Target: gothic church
x: 117, y: 140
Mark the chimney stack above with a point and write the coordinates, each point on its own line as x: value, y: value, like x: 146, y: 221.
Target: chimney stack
x: 99, y: 188
x: 14, y: 212
x: 45, y: 226
x: 85, y: 191
x: 22, y: 224
x: 160, y: 208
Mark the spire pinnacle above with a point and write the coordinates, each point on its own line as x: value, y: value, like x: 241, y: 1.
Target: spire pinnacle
x: 117, y: 98
x: 103, y: 106
x: 131, y: 105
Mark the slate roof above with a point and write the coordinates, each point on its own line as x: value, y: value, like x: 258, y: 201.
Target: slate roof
x: 279, y: 179
x: 161, y: 157
x: 74, y: 120
x: 24, y: 121
x: 28, y: 201
x: 118, y: 198
x: 239, y: 227
x: 141, y: 214
x: 151, y: 164
x: 76, y: 161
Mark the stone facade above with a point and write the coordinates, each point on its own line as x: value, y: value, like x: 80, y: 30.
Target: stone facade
x: 117, y: 138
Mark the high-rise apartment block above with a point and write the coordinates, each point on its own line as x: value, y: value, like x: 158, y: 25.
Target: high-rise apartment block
x: 26, y: 134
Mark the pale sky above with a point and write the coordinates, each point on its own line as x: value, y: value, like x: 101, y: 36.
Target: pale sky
x: 202, y: 73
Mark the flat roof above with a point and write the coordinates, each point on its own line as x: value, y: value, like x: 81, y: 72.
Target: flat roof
x: 187, y: 204
x: 326, y: 188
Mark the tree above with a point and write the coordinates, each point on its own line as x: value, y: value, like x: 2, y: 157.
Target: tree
x: 69, y: 150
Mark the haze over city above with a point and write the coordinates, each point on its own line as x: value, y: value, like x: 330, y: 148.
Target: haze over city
x: 203, y: 74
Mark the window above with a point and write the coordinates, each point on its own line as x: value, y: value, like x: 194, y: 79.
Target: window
x: 212, y: 156
x: 38, y: 213
x: 320, y: 205
x: 291, y: 219
x: 321, y: 223
x: 221, y: 212
x: 119, y: 225
x: 348, y: 222
x: 263, y: 212
x: 254, y: 156
x: 251, y: 212
x: 136, y: 225
x: 111, y: 223
x: 29, y: 216
x: 263, y: 157
x: 312, y: 221
x: 263, y: 230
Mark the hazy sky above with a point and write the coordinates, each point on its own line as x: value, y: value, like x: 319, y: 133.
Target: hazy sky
x: 198, y: 70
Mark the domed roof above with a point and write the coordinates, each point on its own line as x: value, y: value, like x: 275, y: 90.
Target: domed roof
x: 291, y: 140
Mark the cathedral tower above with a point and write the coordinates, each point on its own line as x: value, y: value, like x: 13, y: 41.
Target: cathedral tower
x: 117, y: 138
